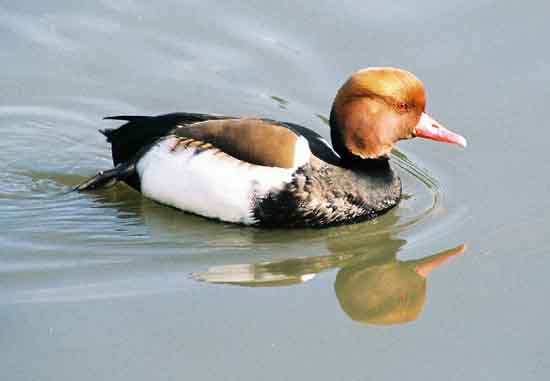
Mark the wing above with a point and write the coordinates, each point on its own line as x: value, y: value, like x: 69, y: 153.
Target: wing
x: 257, y: 141
x: 141, y: 131
x: 254, y: 141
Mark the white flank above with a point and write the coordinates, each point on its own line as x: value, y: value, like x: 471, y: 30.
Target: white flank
x: 217, y: 186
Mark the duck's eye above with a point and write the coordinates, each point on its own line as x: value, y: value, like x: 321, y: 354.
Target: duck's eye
x: 403, y: 106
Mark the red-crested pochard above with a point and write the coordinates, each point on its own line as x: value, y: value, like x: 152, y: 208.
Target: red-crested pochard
x: 263, y: 172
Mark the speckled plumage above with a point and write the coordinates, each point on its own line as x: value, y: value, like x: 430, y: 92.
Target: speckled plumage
x: 321, y: 194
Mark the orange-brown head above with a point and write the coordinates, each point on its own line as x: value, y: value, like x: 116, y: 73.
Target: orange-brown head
x: 378, y: 106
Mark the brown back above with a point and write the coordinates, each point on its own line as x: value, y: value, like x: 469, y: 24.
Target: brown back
x: 247, y: 139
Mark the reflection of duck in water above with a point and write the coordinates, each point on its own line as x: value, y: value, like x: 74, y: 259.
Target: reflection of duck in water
x: 388, y: 292
x: 373, y: 287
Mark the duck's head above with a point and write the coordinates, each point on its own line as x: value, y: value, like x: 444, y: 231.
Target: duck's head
x: 376, y: 107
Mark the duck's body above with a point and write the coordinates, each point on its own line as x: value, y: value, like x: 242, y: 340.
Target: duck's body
x: 259, y: 171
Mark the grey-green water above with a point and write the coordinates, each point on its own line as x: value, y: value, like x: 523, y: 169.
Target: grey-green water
x: 105, y: 285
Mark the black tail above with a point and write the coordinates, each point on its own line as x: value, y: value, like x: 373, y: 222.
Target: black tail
x: 128, y: 139
x: 133, y: 138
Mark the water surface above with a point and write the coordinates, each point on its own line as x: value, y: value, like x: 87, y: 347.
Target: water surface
x: 109, y: 285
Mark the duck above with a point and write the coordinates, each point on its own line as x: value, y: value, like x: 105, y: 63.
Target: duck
x: 275, y: 174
